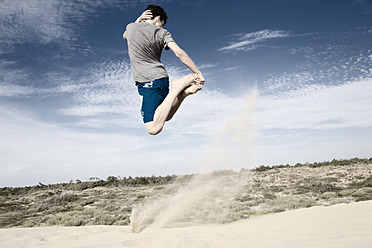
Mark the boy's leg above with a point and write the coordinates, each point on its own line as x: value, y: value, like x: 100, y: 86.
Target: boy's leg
x: 192, y: 89
x: 163, y: 110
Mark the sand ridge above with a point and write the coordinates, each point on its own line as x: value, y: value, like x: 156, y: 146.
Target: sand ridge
x: 342, y: 225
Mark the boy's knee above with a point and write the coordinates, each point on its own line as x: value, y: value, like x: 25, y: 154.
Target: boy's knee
x: 153, y: 130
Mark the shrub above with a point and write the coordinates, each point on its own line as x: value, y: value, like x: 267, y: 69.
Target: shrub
x: 29, y: 223
x: 365, y: 183
x: 56, y: 209
x: 315, y: 186
x: 73, y: 221
x: 64, y: 198
x: 73, y: 218
x: 363, y: 194
x: 124, y: 222
x: 328, y: 195
x: 338, y: 201
x: 104, y: 219
x: 346, y: 192
x: 291, y: 202
x: 242, y: 214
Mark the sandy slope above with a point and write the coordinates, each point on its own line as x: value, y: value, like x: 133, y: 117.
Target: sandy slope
x: 344, y: 225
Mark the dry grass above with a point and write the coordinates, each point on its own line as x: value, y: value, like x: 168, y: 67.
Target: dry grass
x: 256, y: 192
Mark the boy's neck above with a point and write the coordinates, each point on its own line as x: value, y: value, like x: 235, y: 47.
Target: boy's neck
x: 151, y: 21
x: 154, y: 22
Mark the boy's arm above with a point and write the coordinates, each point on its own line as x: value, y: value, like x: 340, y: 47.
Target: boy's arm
x: 146, y: 15
x: 185, y: 59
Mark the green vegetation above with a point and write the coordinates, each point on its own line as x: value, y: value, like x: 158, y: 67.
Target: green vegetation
x: 334, y: 162
x: 96, y: 202
x: 259, y: 191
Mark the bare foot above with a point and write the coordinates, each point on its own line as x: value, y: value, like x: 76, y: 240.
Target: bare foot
x: 192, y: 89
x: 181, y: 83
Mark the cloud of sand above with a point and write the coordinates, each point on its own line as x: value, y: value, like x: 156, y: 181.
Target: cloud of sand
x: 207, y: 196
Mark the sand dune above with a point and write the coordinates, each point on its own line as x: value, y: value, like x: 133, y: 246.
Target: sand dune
x: 343, y: 225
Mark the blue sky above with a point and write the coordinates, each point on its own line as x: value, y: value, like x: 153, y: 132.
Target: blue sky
x: 286, y: 82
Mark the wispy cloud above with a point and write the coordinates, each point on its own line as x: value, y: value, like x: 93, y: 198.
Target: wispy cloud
x: 318, y: 107
x: 109, y: 98
x: 50, y: 147
x: 365, y: 4
x: 106, y: 96
x: 299, y: 100
x: 293, y: 102
x: 35, y: 20
x: 324, y: 64
x: 48, y: 21
x: 206, y: 66
x: 248, y: 41
x: 12, y: 90
x: 34, y: 151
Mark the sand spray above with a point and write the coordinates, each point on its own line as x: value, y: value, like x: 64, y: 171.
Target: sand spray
x: 208, y: 196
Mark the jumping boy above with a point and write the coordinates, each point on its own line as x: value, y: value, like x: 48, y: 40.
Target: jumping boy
x: 146, y: 39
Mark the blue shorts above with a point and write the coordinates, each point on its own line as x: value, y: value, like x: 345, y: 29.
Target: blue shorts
x: 152, y: 95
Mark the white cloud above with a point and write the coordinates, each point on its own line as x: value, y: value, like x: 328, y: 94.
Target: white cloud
x: 287, y: 82
x: 206, y: 66
x: 33, y: 151
x: 105, y: 96
x: 40, y: 20
x: 91, y: 110
x: 108, y: 94
x: 11, y: 90
x: 246, y: 41
x: 46, y: 21
x: 110, y: 99
x: 318, y: 107
x: 288, y: 101
x: 303, y: 106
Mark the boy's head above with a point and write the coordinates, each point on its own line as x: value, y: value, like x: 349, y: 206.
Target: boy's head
x: 158, y: 11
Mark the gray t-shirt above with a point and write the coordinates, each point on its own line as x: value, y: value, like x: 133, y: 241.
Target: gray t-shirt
x: 145, y: 44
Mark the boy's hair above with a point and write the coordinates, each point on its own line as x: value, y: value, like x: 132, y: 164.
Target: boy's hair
x: 158, y: 11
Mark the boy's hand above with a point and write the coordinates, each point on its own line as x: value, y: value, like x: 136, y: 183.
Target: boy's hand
x: 200, y: 79
x: 146, y: 15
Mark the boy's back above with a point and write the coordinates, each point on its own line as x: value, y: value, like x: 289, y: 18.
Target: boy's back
x: 145, y: 45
